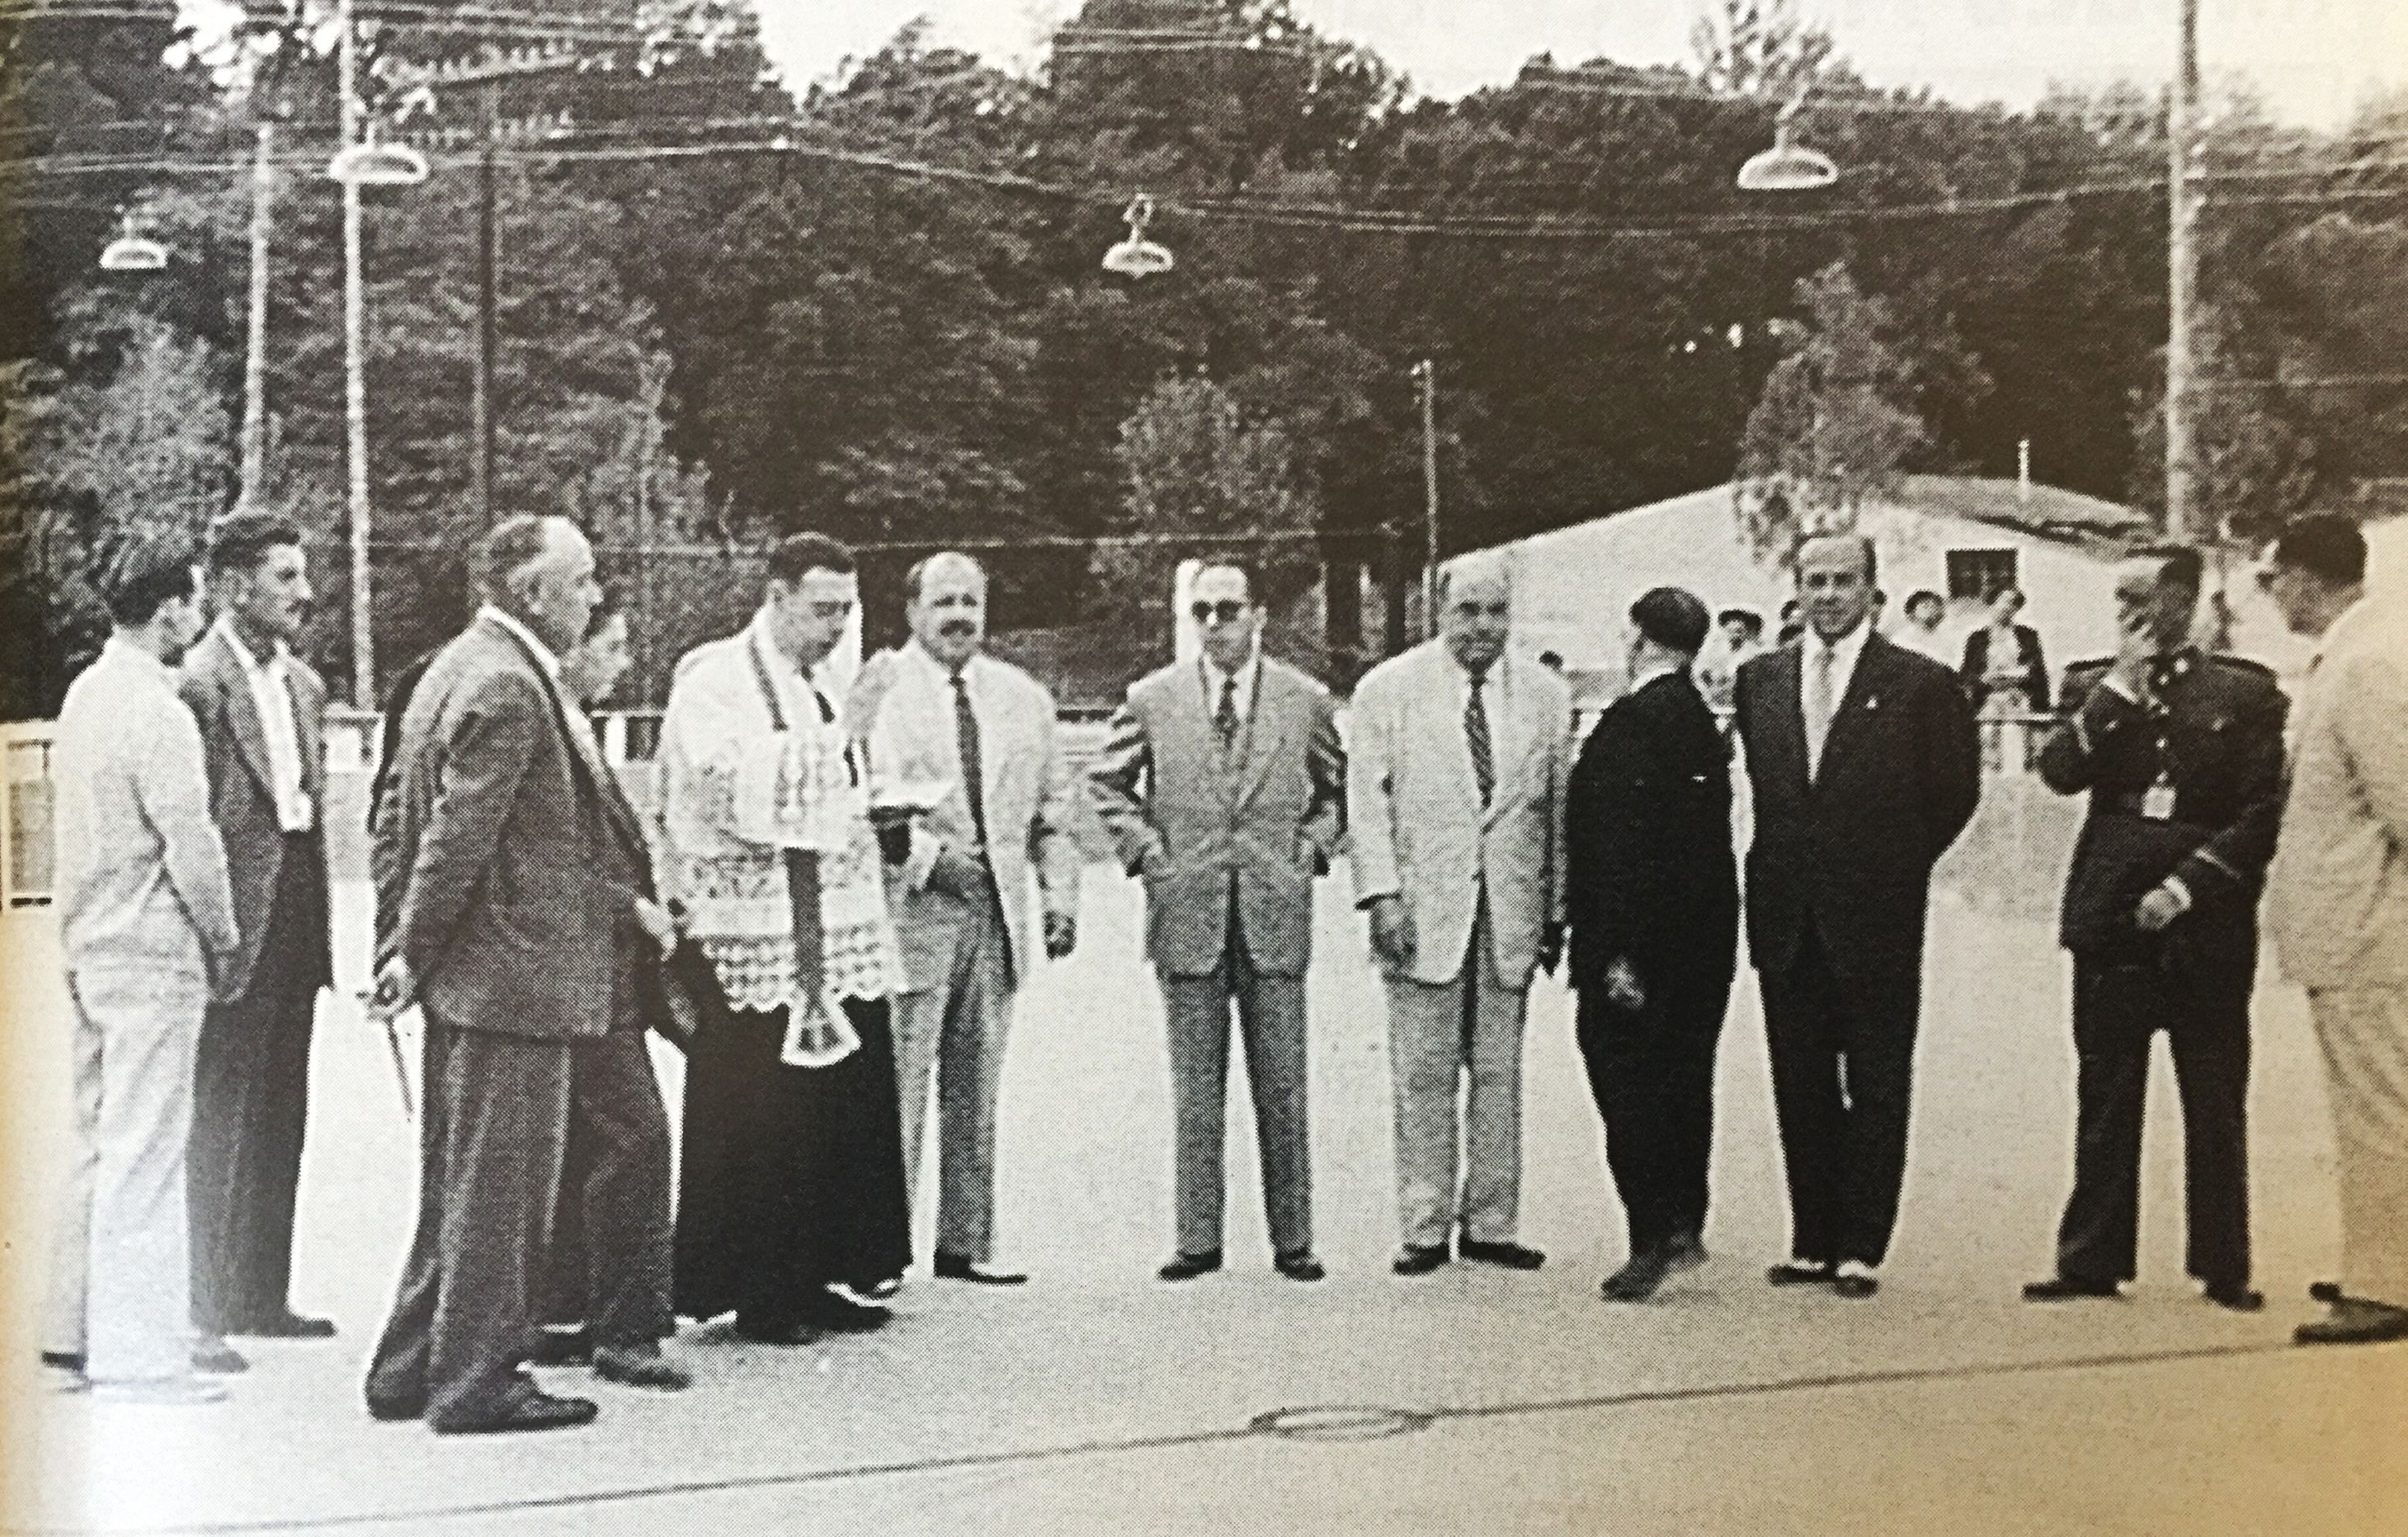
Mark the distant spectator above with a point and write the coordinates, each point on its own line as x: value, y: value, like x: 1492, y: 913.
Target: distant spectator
x: 1742, y: 636
x: 1552, y: 658
x: 1920, y: 630
x: 1792, y: 627
x: 2003, y: 667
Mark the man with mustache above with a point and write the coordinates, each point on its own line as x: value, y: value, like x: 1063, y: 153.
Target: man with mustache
x: 261, y: 710
x: 955, y: 717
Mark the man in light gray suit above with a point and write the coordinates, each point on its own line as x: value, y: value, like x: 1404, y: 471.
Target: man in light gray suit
x: 1224, y: 788
x: 1461, y: 749
x: 948, y: 714
x: 2337, y: 904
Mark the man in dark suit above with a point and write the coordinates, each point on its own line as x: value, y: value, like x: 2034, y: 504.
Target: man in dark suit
x: 260, y: 711
x: 1653, y: 901
x: 497, y: 914
x: 1223, y: 788
x: 2182, y: 757
x: 1865, y: 767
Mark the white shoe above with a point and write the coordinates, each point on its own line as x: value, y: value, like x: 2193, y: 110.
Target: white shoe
x: 167, y: 1392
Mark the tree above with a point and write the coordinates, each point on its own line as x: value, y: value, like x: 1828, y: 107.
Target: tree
x: 1836, y: 423
x: 1203, y: 476
x: 2253, y: 470
x: 1758, y: 47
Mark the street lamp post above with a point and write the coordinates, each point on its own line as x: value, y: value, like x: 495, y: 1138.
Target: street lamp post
x: 1426, y: 374
x: 2185, y: 519
x: 355, y: 390
x: 254, y: 363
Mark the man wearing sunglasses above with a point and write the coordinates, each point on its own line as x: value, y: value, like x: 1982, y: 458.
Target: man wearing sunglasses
x: 1223, y: 786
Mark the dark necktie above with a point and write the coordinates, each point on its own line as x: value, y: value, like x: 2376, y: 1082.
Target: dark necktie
x: 1475, y: 736
x: 966, y: 733
x: 1225, y: 719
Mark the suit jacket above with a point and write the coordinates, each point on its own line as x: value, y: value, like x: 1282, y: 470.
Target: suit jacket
x: 1851, y: 851
x: 1187, y: 823
x: 2337, y: 899
x: 242, y: 794
x: 1650, y: 876
x: 2031, y: 660
x: 1414, y: 806
x: 2219, y: 736
x: 492, y: 858
x: 1027, y: 792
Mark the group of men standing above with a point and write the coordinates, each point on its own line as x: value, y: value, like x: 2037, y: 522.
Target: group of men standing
x: 845, y: 888
x: 193, y: 917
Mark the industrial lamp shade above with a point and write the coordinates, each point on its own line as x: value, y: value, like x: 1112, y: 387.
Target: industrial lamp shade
x: 1137, y: 256
x: 132, y: 253
x: 374, y: 165
x: 1787, y: 166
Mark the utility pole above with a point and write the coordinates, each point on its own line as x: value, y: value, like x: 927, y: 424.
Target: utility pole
x: 480, y: 398
x: 2185, y: 521
x: 356, y: 389
x: 1426, y: 373
x: 255, y: 367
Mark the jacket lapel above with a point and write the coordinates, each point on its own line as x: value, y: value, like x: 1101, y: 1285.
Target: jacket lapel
x: 1789, y: 714
x: 1512, y: 729
x: 1260, y: 735
x: 242, y: 713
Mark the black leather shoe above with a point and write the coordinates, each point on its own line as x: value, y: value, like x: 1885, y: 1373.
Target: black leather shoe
x: 532, y: 1410
x: 1512, y: 1256
x: 1637, y: 1281
x: 1300, y: 1266
x: 774, y: 1331
x: 640, y: 1366
x: 2327, y: 1292
x: 391, y: 1410
x: 286, y: 1324
x: 64, y: 1360
x: 1854, y: 1282
x: 562, y: 1347
x: 1798, y: 1272
x: 1419, y: 1258
x: 1187, y: 1267
x: 2353, y: 1322
x: 955, y: 1267
x: 2067, y: 1288
x: 833, y: 1309
x: 2234, y: 1296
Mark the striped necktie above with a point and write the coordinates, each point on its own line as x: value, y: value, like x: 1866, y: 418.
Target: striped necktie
x: 1475, y: 736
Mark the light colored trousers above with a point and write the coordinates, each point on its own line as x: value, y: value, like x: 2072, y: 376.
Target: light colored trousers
x: 955, y: 1032
x: 2364, y: 1032
x: 1270, y: 1026
x: 1439, y: 1035
x: 121, y: 1268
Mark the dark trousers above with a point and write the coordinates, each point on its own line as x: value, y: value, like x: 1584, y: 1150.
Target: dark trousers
x: 492, y: 1132
x: 608, y: 1265
x: 1842, y: 1052
x: 1270, y: 1027
x: 250, y: 1095
x: 2204, y: 1013
x: 1651, y: 1071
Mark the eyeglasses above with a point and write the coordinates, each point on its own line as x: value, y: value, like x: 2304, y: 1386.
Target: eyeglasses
x: 1226, y: 611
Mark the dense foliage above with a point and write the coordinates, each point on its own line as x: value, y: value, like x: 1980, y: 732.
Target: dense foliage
x: 729, y: 305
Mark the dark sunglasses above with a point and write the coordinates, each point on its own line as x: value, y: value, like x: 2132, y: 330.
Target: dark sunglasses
x: 1227, y: 612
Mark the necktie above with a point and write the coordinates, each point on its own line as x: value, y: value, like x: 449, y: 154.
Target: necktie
x: 1475, y: 736
x: 1225, y: 719
x: 966, y: 734
x: 1822, y: 702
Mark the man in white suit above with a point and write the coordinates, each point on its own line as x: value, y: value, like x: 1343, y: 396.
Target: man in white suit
x: 951, y: 715
x: 1461, y: 749
x: 1224, y: 788
x: 2337, y: 903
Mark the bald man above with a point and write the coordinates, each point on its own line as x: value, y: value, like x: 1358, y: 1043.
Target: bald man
x: 1462, y: 749
x: 951, y: 716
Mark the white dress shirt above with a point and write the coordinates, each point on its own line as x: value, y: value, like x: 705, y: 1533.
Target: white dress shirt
x: 271, y: 698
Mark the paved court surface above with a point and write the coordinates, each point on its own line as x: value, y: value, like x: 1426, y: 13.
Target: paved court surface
x: 1100, y: 1401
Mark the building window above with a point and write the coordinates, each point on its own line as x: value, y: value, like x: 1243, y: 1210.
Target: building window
x: 1976, y: 575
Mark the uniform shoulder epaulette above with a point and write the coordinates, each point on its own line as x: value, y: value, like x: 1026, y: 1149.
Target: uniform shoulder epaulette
x: 2089, y: 664
x: 2245, y: 664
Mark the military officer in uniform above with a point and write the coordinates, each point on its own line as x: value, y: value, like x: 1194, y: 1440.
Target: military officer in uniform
x: 2181, y: 753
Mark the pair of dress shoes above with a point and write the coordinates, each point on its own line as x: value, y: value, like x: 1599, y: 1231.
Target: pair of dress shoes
x: 961, y: 1267
x: 2354, y: 1320
x: 210, y: 1357
x: 1298, y: 1266
x: 524, y: 1407
x: 628, y: 1365
x: 2231, y: 1296
x: 1422, y: 1259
